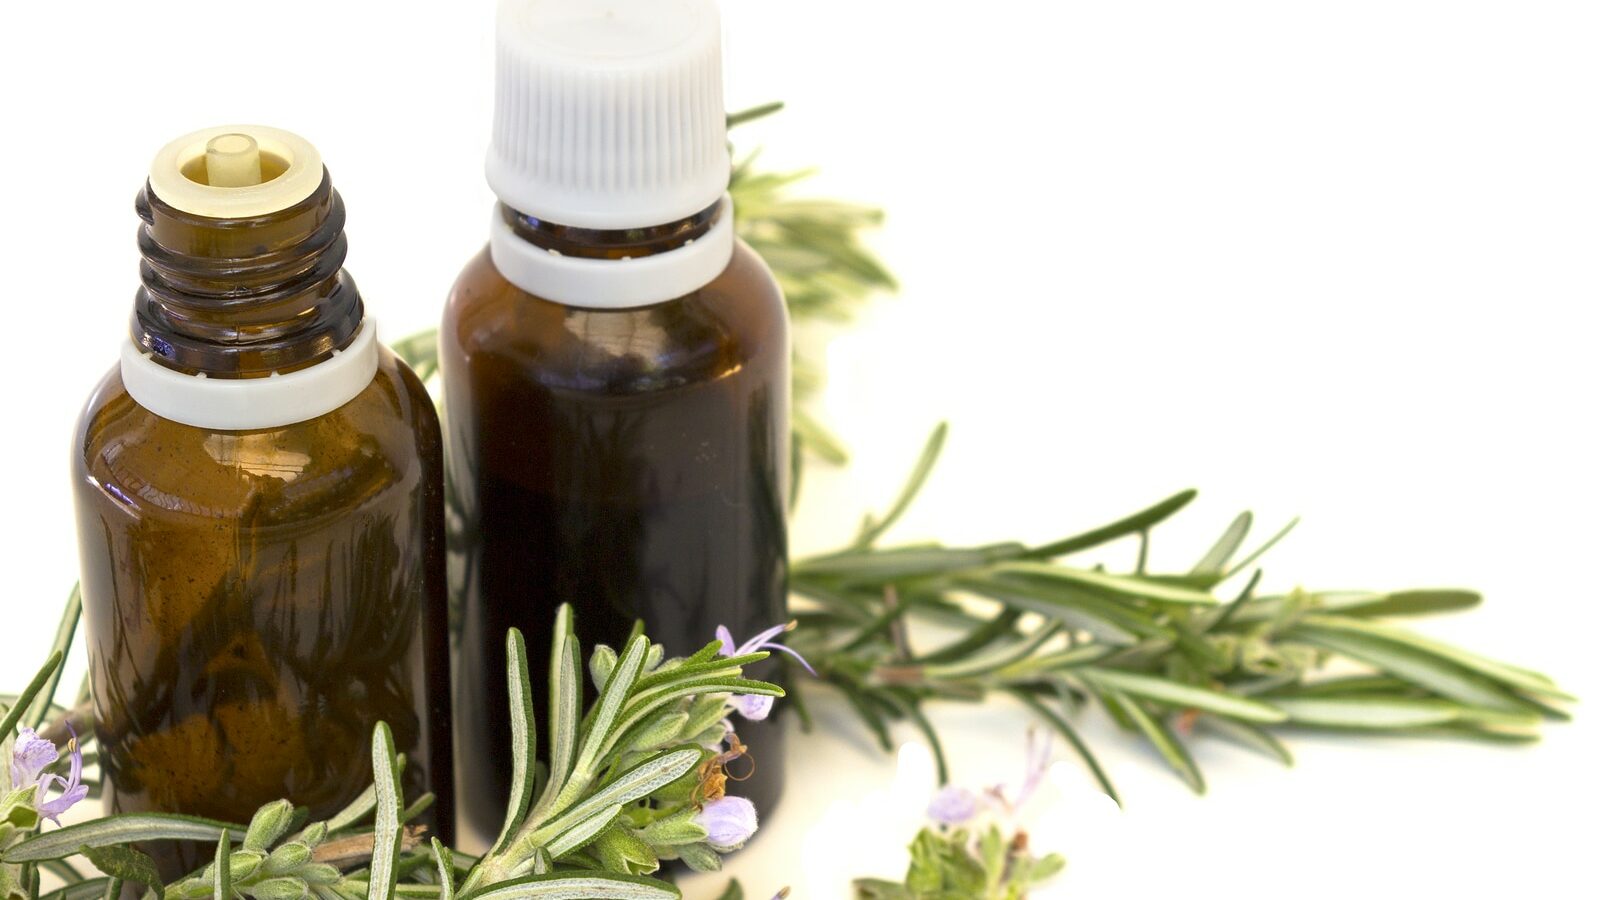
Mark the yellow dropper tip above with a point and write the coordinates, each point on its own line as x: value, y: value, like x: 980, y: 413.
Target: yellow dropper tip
x: 233, y: 160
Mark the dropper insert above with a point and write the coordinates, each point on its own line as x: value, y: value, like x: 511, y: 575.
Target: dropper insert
x: 233, y: 160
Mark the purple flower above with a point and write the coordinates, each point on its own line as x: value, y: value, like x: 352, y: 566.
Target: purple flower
x: 729, y: 822
x: 953, y: 806
x: 756, y: 707
x: 762, y: 641
x: 30, y: 756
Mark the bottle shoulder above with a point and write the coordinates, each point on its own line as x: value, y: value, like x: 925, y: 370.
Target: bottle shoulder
x: 387, y: 437
x: 737, y: 321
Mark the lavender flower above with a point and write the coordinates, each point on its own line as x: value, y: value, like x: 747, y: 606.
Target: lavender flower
x: 953, y: 806
x: 756, y: 707
x: 729, y: 822
x: 30, y: 756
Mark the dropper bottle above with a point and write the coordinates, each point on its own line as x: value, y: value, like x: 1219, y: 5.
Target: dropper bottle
x: 616, y: 369
x: 259, y: 490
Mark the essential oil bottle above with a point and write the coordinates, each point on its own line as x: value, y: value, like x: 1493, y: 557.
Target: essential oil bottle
x: 616, y: 369
x: 259, y: 488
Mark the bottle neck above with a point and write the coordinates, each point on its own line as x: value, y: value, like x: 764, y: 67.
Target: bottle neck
x: 245, y: 297
x: 617, y: 244
x: 612, y: 268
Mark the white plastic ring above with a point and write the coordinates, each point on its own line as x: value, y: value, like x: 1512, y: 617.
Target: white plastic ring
x: 249, y: 404
x: 300, y: 176
x: 612, y: 283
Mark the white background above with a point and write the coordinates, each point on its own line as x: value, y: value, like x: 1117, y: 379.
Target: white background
x: 1328, y: 259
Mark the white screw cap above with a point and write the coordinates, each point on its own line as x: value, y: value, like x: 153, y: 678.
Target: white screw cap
x: 609, y: 113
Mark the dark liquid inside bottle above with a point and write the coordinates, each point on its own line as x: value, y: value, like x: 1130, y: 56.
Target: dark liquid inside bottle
x: 630, y: 462
x: 258, y: 600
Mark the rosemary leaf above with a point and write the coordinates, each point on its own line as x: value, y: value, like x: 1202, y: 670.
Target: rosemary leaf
x: 386, y: 837
x: 1119, y: 585
x: 1059, y: 723
x: 594, y: 886
x: 1162, y: 738
x: 1216, y: 559
x: 523, y: 734
x: 1247, y: 735
x: 1369, y: 711
x: 64, y: 842
x: 1139, y: 521
x: 45, y: 678
x: 39, y: 709
x: 1182, y: 696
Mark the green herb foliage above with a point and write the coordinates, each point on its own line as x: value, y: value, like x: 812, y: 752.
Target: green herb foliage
x: 618, y: 793
x: 1167, y: 654
x: 955, y: 864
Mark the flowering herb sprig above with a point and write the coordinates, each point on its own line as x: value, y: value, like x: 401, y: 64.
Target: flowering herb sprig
x: 757, y: 707
x: 974, y: 845
x: 31, y: 758
x: 634, y: 780
x: 32, y: 791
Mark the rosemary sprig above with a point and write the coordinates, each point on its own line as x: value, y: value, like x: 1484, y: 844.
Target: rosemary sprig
x: 983, y: 864
x: 1167, y: 655
x: 633, y: 780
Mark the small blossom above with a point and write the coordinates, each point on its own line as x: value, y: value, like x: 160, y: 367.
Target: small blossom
x: 756, y: 707
x: 762, y: 641
x: 30, y: 756
x: 729, y: 822
x: 953, y: 806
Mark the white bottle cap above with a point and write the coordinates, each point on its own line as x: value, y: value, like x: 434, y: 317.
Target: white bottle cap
x: 609, y: 113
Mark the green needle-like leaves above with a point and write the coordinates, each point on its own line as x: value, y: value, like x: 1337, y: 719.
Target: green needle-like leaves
x: 1157, y: 650
x: 619, y: 790
x: 39, y: 707
x: 222, y: 869
x: 445, y: 861
x: 46, y: 678
x: 523, y: 734
x: 386, y: 824
x: 1181, y: 696
x: 872, y: 529
x: 122, y: 829
x: 1162, y: 738
x: 580, y: 887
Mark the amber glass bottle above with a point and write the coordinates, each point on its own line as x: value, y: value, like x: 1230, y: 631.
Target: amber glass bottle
x: 616, y: 370
x: 262, y: 547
